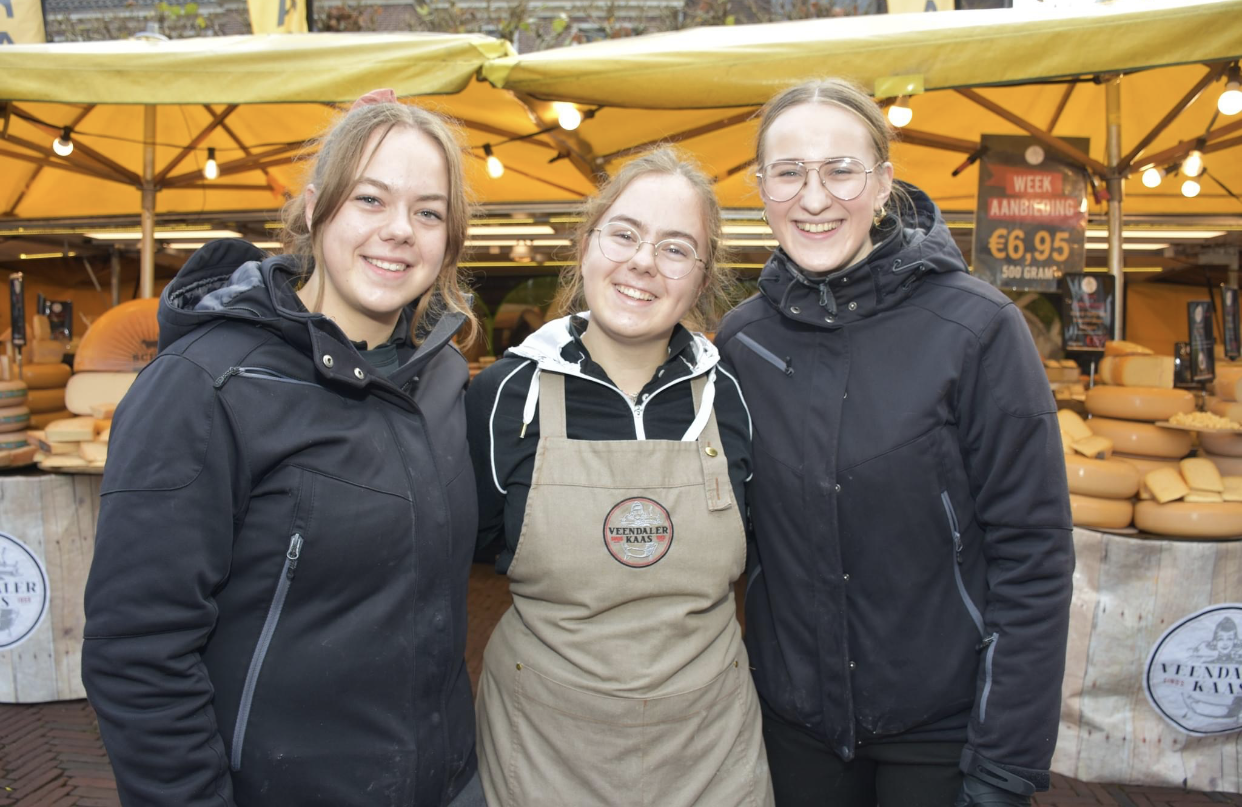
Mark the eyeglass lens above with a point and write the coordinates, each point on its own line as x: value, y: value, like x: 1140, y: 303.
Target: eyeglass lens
x: 844, y: 178
x: 674, y: 257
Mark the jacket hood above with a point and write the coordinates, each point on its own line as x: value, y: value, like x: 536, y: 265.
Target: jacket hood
x: 912, y: 243
x: 546, y: 347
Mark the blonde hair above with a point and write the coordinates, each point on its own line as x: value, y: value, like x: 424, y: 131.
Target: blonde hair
x: 718, y: 285
x: 849, y: 96
x: 336, y: 168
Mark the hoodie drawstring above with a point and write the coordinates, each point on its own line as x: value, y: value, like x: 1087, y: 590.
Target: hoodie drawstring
x: 705, y: 410
x: 532, y: 398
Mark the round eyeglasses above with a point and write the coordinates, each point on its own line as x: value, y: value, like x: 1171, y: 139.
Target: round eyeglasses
x: 674, y: 258
x: 843, y: 177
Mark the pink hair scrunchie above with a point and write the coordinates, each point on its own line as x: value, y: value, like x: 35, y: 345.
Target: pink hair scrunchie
x: 375, y: 97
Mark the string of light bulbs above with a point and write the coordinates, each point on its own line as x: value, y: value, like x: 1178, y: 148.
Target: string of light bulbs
x: 568, y: 117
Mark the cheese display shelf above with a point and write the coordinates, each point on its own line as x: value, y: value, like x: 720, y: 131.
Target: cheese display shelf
x: 47, y: 540
x: 1131, y: 597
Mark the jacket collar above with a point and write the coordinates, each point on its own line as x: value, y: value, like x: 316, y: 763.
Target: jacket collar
x: 907, y: 248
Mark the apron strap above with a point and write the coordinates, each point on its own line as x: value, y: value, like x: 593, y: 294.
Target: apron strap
x: 716, y: 483
x: 551, y: 404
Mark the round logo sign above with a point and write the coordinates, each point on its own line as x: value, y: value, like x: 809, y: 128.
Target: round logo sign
x: 23, y: 592
x: 638, y: 532
x: 1194, y: 673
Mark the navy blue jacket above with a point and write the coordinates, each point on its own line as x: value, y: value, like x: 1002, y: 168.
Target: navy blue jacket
x: 909, y: 505
x: 276, y: 612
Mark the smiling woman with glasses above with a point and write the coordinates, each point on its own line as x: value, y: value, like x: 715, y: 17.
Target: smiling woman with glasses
x: 611, y: 451
x: 907, y: 609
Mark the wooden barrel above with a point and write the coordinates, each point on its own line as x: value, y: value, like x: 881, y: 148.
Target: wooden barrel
x: 1127, y: 593
x: 47, y: 521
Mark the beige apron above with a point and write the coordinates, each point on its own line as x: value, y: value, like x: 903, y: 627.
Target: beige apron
x: 618, y: 677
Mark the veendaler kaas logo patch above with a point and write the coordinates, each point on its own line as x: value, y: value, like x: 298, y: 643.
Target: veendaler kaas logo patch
x: 23, y: 592
x: 638, y: 532
x: 1194, y: 672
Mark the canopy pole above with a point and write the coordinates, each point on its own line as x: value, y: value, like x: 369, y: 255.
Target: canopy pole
x: 116, y: 276
x: 146, y: 278
x: 1116, y: 262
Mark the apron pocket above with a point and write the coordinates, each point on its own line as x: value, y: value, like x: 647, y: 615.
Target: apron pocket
x: 701, y: 747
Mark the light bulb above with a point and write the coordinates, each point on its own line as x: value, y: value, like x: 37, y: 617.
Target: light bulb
x: 567, y: 115
x: 1192, y: 166
x: 1230, y: 101
x: 211, y: 170
x: 1153, y: 176
x: 495, y: 168
x: 900, y: 114
x: 63, y: 145
x: 1190, y: 189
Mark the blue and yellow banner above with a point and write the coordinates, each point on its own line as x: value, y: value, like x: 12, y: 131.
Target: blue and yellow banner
x: 21, y: 22
x: 276, y: 16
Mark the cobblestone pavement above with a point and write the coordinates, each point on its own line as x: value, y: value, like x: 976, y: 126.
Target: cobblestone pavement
x: 51, y: 755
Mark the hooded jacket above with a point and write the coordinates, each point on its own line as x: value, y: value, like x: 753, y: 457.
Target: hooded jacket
x: 909, y: 503
x: 276, y: 612
x: 502, y: 411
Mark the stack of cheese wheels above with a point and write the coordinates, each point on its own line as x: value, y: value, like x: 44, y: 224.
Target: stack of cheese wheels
x: 46, y: 397
x: 1191, y: 501
x: 1101, y: 487
x: 14, y: 414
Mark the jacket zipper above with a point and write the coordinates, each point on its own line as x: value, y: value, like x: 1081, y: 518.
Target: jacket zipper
x: 637, y: 408
x: 784, y: 365
x: 258, y: 372
x: 260, y: 651
x: 988, y: 641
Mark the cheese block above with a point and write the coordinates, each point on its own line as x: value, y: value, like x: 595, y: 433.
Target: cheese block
x: 44, y: 351
x: 1120, y: 347
x: 12, y: 440
x: 38, y: 438
x: 92, y: 389
x: 1228, y: 466
x: 1226, y: 383
x: 46, y: 400
x: 72, y: 430
x: 14, y: 419
x: 1061, y: 374
x: 46, y: 376
x: 1221, y: 443
x: 1105, y: 479
x: 1201, y: 474
x: 93, y: 451
x: 1073, y: 425
x: 41, y: 327
x: 103, y: 411
x: 1139, y: 403
x: 1067, y: 442
x: 104, y: 435
x: 1147, y: 464
x: 41, y: 420
x: 1094, y: 446
x: 12, y: 393
x: 1138, y: 371
x: 1233, y: 488
x: 1203, y: 496
x: 1110, y: 514
x: 1144, y: 439
x: 1166, y: 485
x: 62, y: 461
x: 1190, y: 520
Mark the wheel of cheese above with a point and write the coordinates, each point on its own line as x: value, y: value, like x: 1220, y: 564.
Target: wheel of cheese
x: 1190, y: 520
x: 12, y: 393
x: 1226, y: 382
x: 46, y: 376
x: 1228, y: 466
x: 1225, y: 443
x: 1120, y: 347
x: 1146, y: 465
x: 46, y: 400
x: 1105, y: 479
x: 1138, y: 403
x: 91, y: 389
x: 123, y: 340
x: 1144, y: 439
x: 12, y: 440
x: 1137, y: 371
x: 1226, y: 409
x: 14, y: 419
x: 1111, y: 514
x: 41, y: 420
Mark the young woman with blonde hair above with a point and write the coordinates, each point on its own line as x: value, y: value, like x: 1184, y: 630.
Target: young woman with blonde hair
x: 611, y: 450
x: 909, y: 597
x: 276, y: 613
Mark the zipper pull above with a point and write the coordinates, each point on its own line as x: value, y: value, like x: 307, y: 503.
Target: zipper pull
x: 985, y: 643
x: 295, y: 552
x: 957, y: 545
x: 223, y: 379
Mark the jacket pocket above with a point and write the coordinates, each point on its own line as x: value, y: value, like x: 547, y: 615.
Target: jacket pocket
x: 988, y: 640
x: 784, y: 365
x: 260, y: 651
x: 260, y: 373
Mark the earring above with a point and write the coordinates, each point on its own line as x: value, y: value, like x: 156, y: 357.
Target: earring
x: 764, y: 216
x: 879, y: 217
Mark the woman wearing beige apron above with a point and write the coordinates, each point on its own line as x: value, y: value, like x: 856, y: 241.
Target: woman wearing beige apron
x: 611, y: 451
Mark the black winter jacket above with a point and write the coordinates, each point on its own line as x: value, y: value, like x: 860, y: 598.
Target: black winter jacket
x: 909, y: 504
x: 276, y: 612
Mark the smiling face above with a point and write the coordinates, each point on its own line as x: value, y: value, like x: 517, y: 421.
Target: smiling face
x: 385, y: 246
x: 630, y: 301
x: 820, y: 232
